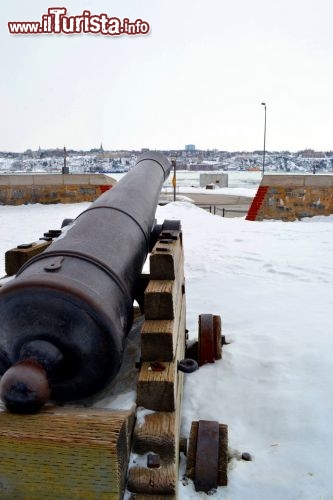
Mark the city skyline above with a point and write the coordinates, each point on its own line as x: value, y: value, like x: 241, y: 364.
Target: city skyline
x: 199, y: 76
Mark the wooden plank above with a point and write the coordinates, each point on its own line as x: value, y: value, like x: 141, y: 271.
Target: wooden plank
x: 157, y: 390
x: 159, y: 423
x: 162, y: 391
x: 65, y: 453
x: 160, y: 299
x: 159, y: 338
x: 160, y: 434
x: 152, y: 481
x: 16, y: 257
x: 161, y: 296
x: 156, y: 434
x: 165, y: 258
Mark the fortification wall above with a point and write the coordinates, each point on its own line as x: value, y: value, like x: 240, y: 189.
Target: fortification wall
x: 52, y: 188
x: 292, y: 197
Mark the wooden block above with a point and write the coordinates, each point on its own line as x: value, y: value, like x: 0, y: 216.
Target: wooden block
x: 161, y: 296
x: 64, y: 453
x: 146, y: 438
x: 156, y: 434
x: 165, y: 258
x: 160, y: 481
x: 16, y: 257
x: 159, y: 338
x: 160, y: 299
x: 163, y: 340
x: 157, y: 390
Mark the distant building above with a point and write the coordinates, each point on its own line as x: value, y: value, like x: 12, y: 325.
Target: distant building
x: 197, y: 167
x: 190, y: 147
x: 99, y: 150
x: 310, y: 153
x: 220, y: 180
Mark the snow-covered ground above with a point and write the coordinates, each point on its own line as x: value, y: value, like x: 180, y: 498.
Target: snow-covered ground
x: 271, y: 282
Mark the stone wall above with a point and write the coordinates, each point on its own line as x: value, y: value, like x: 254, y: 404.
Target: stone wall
x: 52, y: 188
x: 292, y: 197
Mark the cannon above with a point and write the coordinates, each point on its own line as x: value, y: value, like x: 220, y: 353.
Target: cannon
x: 65, y: 316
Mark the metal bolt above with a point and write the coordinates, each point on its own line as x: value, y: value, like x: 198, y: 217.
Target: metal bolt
x: 153, y: 461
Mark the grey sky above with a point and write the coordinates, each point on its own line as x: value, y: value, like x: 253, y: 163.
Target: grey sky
x: 198, y: 77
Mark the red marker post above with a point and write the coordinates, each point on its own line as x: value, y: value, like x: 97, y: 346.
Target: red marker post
x: 174, y: 182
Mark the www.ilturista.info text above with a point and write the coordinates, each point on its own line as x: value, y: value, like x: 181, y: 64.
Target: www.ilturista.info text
x: 56, y: 22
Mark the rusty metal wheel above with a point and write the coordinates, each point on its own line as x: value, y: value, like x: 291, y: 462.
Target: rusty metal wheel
x: 217, y: 325
x: 207, y: 455
x: 206, y: 351
x: 210, y: 345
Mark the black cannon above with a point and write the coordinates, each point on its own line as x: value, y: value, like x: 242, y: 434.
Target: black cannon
x: 65, y: 316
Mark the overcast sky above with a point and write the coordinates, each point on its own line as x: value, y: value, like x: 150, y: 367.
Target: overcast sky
x: 198, y: 77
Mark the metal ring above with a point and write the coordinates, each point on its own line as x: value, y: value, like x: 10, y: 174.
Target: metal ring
x: 187, y: 365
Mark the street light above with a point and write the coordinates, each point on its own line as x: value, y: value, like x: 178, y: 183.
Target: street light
x: 263, y: 159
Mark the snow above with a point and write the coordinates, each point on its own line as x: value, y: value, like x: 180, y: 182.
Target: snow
x: 271, y: 282
x: 27, y: 223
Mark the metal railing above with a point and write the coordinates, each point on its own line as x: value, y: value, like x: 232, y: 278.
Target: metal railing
x: 222, y: 211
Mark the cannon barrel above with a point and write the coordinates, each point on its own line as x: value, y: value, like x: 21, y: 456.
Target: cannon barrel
x: 65, y: 316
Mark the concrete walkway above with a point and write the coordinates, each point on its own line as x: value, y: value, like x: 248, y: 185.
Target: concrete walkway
x: 239, y: 204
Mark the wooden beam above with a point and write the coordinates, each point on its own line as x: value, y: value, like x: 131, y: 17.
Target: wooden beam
x: 157, y: 390
x: 161, y: 297
x: 159, y: 481
x: 159, y: 338
x: 159, y: 434
x: 159, y: 383
x: 63, y: 453
x: 16, y: 257
x: 165, y: 258
x: 156, y: 434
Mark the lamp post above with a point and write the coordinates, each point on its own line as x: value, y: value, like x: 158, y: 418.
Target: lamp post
x: 263, y: 159
x: 65, y: 168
